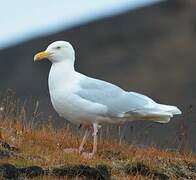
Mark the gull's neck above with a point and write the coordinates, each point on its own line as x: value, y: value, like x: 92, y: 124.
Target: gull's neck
x: 66, y: 66
x: 61, y: 74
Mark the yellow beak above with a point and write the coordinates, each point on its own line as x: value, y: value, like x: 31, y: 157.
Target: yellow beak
x: 41, y: 55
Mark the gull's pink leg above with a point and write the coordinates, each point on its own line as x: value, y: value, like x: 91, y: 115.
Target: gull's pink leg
x: 86, y: 135
x: 76, y: 150
x: 90, y: 155
x: 95, y: 128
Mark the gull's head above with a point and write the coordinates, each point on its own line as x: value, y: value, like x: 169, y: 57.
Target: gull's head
x: 56, y: 52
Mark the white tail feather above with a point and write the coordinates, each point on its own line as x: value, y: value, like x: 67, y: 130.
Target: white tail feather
x: 172, y: 109
x: 161, y: 114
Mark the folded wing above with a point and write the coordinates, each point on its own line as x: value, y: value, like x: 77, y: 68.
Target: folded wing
x: 123, y: 104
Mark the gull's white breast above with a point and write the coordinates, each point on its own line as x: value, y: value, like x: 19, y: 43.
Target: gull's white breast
x: 63, y: 85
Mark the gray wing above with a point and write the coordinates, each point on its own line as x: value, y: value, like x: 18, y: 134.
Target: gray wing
x: 116, y: 99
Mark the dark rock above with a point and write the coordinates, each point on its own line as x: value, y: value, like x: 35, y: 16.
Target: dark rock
x: 83, y: 171
x: 32, y: 171
x: 104, y: 170
x: 9, y: 171
x: 160, y: 176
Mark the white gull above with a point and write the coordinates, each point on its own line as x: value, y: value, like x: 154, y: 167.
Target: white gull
x: 92, y: 102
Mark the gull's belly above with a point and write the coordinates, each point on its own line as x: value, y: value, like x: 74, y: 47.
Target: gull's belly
x: 74, y: 109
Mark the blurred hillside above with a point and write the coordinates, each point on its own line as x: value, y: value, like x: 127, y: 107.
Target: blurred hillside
x: 149, y: 50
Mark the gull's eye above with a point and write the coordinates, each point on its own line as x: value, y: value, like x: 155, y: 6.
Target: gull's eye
x: 58, y: 47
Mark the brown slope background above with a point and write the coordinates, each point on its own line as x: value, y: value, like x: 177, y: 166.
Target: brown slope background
x: 150, y: 50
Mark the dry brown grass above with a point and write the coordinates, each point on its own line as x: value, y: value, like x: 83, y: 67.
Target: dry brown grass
x: 44, y: 146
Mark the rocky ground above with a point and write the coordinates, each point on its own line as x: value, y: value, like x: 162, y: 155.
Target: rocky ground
x: 39, y: 154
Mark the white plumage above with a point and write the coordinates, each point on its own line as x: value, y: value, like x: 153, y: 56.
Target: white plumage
x: 84, y: 100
